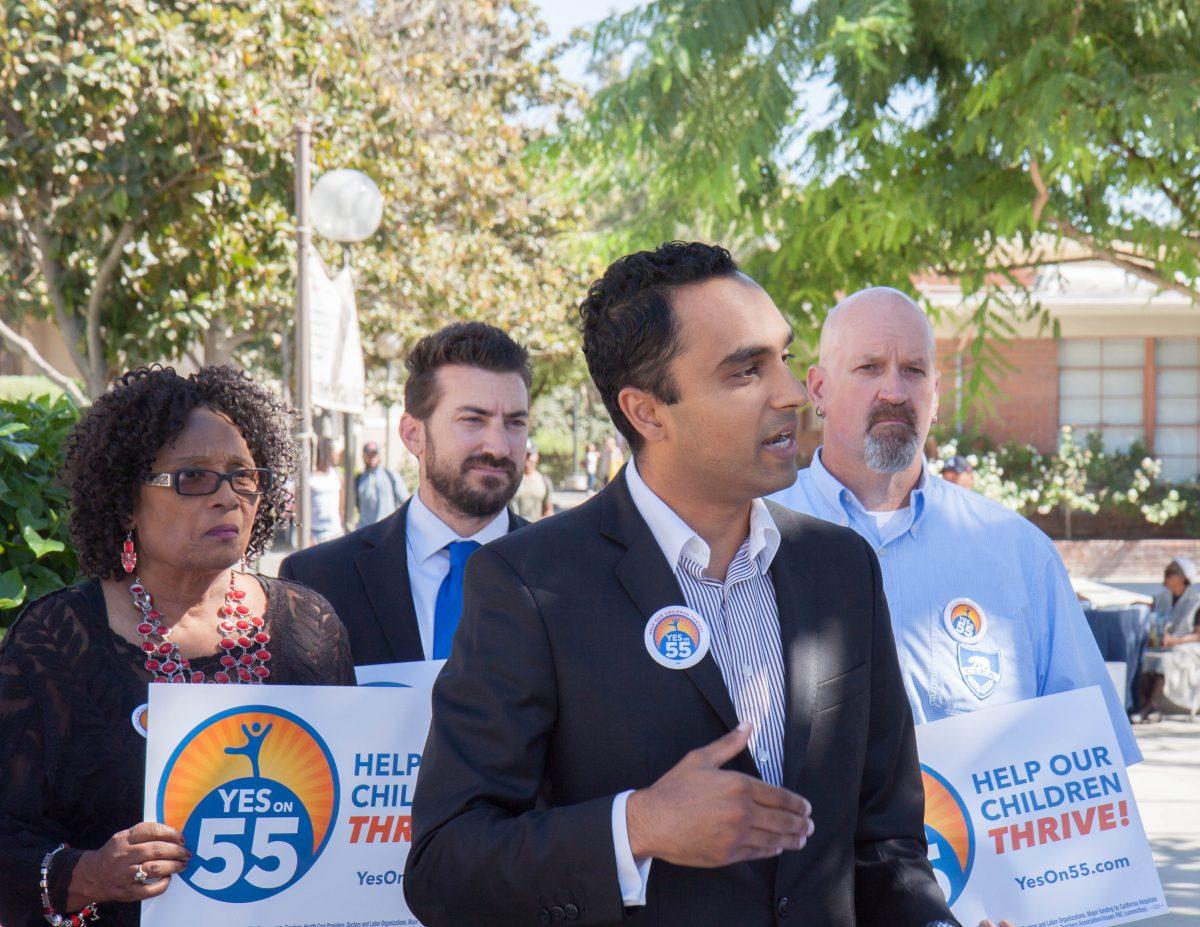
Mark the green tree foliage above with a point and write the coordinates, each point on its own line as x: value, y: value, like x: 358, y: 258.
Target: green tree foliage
x: 844, y: 143
x: 142, y: 173
x: 35, y: 553
x: 146, y: 175
x: 471, y: 232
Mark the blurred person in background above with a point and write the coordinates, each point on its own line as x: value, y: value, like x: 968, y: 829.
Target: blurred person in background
x: 325, y: 493
x: 175, y: 483
x: 1172, y: 666
x: 378, y: 490
x: 535, y: 496
x: 958, y: 470
x: 591, y: 461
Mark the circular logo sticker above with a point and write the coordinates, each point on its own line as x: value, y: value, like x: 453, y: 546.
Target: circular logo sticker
x: 949, y: 833
x: 141, y: 719
x: 677, y: 637
x: 254, y: 791
x: 965, y: 621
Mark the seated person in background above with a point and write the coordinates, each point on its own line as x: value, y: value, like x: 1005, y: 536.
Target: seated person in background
x: 1171, y: 668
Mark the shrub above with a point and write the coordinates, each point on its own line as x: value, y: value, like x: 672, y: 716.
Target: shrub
x: 1078, y: 477
x: 35, y: 556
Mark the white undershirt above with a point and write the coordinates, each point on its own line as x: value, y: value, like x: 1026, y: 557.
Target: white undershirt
x: 884, y: 520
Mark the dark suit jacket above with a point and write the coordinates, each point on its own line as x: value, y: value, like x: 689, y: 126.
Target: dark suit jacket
x: 550, y: 706
x: 364, y: 575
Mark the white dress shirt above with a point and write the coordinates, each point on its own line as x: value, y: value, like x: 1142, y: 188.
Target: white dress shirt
x: 429, y: 561
x: 745, y: 642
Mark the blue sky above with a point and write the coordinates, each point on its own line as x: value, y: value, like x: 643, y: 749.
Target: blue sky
x: 564, y: 15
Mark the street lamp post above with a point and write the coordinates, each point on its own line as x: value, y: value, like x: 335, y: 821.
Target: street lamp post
x: 346, y: 207
x: 389, y: 346
x: 304, y: 435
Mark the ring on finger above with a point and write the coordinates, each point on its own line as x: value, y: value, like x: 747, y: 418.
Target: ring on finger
x: 140, y: 875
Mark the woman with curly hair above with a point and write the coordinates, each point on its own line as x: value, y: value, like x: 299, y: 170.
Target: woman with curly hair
x: 175, y: 483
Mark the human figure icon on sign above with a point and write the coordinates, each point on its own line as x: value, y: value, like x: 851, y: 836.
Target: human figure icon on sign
x: 253, y: 745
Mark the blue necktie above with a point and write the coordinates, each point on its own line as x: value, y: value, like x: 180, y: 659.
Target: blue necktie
x: 448, y: 607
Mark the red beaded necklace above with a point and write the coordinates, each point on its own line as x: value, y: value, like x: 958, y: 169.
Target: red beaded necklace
x: 243, y: 641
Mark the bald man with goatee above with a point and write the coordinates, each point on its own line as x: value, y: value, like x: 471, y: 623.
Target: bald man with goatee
x: 982, y: 608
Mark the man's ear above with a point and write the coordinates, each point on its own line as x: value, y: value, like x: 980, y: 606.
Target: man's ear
x: 412, y: 433
x: 641, y: 408
x: 814, y: 382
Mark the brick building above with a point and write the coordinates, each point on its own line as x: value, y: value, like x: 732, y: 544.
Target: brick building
x: 1127, y: 364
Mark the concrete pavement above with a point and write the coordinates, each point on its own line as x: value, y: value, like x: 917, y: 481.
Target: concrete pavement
x: 1166, y: 785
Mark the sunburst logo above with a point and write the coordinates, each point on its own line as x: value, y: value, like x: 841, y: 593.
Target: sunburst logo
x: 676, y: 637
x: 254, y: 791
x: 950, y: 834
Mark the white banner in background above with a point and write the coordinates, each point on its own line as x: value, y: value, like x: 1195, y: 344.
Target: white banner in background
x: 335, y: 350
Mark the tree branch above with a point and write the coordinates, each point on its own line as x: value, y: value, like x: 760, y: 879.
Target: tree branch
x: 25, y: 346
x: 1124, y: 262
x: 39, y: 239
x: 1043, y: 195
x: 100, y: 284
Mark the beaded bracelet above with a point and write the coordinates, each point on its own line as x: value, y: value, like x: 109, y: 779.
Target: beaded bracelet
x: 53, y: 917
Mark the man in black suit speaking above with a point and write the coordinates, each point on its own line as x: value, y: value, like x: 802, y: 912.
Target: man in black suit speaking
x: 397, y: 584
x: 676, y: 704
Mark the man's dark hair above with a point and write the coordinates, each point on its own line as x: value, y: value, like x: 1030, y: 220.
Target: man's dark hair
x: 630, y: 333
x: 471, y: 344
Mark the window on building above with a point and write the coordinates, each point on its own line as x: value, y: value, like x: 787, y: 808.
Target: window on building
x: 1177, y: 407
x: 1100, y: 388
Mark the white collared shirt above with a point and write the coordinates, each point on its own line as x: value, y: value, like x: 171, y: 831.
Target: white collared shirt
x: 744, y: 617
x: 429, y: 561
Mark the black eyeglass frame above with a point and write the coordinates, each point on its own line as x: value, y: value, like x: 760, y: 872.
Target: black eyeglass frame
x: 171, y: 480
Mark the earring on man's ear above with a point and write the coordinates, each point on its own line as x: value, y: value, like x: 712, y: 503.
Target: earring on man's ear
x: 820, y: 413
x: 128, y: 554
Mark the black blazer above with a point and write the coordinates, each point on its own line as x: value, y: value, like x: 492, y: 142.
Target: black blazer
x: 364, y: 575
x: 549, y: 706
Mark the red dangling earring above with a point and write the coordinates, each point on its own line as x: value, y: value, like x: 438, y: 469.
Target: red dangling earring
x: 128, y: 554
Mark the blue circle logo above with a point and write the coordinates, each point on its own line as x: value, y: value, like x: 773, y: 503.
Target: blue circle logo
x: 254, y: 791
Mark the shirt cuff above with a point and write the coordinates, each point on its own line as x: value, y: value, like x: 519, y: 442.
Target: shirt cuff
x: 631, y: 874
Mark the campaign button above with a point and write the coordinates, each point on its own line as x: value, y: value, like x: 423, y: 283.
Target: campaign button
x: 677, y: 637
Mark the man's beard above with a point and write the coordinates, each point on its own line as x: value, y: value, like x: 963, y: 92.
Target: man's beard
x: 453, y: 483
x: 895, y: 449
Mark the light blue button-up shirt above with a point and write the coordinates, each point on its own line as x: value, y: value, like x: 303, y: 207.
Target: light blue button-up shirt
x: 954, y: 544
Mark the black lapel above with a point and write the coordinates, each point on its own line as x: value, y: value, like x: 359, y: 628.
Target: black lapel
x: 652, y: 585
x: 383, y: 567
x: 795, y: 595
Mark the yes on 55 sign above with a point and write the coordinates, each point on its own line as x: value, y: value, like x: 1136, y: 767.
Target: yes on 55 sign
x: 294, y: 801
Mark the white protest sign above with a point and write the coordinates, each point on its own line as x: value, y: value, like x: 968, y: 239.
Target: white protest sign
x: 1030, y: 816
x: 294, y: 800
x: 421, y: 673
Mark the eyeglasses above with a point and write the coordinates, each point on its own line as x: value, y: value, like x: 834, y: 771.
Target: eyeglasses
x: 195, y: 482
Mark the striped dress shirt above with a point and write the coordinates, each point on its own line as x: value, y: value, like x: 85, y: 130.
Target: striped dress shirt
x: 741, y: 611
x: 744, y: 618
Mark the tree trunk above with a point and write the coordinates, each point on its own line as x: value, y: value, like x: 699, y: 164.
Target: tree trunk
x: 25, y: 346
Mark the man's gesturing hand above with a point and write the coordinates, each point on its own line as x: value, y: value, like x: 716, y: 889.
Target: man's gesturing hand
x: 698, y: 814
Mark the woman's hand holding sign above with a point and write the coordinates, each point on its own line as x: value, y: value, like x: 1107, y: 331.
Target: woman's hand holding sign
x: 700, y: 815
x: 111, y: 873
